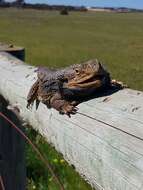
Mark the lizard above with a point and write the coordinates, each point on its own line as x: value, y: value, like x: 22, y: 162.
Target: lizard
x: 59, y: 88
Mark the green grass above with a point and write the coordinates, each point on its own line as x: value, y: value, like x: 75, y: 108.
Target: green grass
x: 38, y: 176
x: 55, y: 40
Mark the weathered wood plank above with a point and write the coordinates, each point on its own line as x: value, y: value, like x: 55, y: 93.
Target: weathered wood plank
x: 108, y: 158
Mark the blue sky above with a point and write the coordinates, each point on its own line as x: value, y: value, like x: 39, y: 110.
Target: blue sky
x: 106, y: 3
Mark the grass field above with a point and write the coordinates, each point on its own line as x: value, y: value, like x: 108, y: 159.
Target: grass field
x: 54, y: 40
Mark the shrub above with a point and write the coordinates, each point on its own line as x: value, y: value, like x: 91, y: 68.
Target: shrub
x: 64, y: 12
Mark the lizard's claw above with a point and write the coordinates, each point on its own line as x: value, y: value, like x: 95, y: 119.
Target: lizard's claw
x: 29, y: 105
x: 119, y: 84
x: 69, y: 109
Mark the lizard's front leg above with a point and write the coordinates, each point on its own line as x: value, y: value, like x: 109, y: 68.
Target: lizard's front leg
x: 63, y: 106
x: 32, y: 95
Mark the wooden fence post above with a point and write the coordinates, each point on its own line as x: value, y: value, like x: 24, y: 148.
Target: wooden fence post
x: 18, y: 52
x: 12, y: 155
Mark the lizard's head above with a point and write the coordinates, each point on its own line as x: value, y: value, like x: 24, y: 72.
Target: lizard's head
x: 86, y: 75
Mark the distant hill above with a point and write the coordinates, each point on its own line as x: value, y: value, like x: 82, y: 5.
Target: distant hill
x: 22, y: 4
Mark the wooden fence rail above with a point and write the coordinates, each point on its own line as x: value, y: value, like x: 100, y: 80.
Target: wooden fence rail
x: 104, y: 140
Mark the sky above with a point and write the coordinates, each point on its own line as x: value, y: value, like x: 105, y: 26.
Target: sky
x: 101, y: 3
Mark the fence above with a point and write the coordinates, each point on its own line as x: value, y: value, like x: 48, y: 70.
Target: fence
x: 104, y: 140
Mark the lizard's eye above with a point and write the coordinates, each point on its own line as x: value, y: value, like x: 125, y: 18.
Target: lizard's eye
x: 77, y: 71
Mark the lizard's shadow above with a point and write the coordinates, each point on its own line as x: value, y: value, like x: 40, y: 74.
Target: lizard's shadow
x: 98, y: 93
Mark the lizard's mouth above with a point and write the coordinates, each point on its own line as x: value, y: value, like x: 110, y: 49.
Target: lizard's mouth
x: 89, y: 81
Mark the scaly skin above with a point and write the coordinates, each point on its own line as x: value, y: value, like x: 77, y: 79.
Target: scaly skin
x: 60, y: 88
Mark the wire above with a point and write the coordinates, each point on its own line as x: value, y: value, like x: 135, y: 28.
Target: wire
x: 112, y: 126
x: 1, y: 183
x: 36, y: 150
